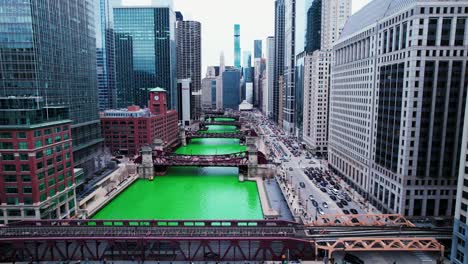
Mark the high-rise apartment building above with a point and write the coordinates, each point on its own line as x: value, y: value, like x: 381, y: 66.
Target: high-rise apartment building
x: 37, y: 178
x: 56, y: 60
x: 269, y: 76
x: 105, y: 61
x: 278, y: 69
x: 396, y: 104
x: 145, y: 53
x: 257, y: 48
x: 325, y: 21
x: 237, y: 48
x: 188, y: 43
x: 460, y: 225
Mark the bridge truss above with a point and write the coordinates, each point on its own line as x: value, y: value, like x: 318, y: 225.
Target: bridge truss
x: 362, y: 220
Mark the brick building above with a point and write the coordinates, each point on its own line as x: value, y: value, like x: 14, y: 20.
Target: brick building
x: 125, y: 131
x: 36, y: 160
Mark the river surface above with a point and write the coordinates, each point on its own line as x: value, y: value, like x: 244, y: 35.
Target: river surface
x: 190, y: 192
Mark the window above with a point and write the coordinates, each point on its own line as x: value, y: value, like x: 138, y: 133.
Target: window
x: 28, y: 200
x: 9, y: 178
x: 38, y: 143
x: 49, y: 141
x: 57, y: 129
x: 9, y: 167
x: 12, y: 200
x: 14, y: 212
x: 460, y: 31
x: 39, y: 155
x: 432, y: 32
x: 27, y: 189
x: 24, y: 167
x: 49, y: 151
x: 37, y: 133
x: 446, y: 27
x: 51, y: 192
x: 6, y: 145
x: 5, y: 135
x: 47, y: 131
x: 24, y: 156
x: 8, y: 157
x: 21, y: 135
x: 41, y: 187
x: 26, y: 178
x: 51, y: 182
x: 11, y: 189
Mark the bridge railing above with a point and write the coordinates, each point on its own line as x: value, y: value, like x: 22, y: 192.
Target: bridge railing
x: 157, y: 223
x: 362, y: 220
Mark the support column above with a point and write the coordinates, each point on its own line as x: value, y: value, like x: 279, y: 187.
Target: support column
x: 253, y: 159
x: 146, y: 168
x: 182, y: 136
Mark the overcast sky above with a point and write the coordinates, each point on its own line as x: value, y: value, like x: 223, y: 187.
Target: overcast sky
x: 218, y: 17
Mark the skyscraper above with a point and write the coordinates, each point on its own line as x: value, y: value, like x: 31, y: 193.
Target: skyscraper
x: 246, y: 59
x: 189, y: 61
x: 55, y: 61
x: 145, y: 53
x: 105, y: 61
x: 289, y: 65
x: 325, y: 20
x: 279, y: 58
x: 269, y: 75
x: 231, y: 88
x: 257, y: 48
x: 460, y: 225
x: 237, y: 48
x: 396, y: 128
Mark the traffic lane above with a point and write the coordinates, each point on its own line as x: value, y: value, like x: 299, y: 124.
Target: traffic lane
x: 319, y: 196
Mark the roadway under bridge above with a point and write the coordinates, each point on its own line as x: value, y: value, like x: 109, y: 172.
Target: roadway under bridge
x: 198, y: 240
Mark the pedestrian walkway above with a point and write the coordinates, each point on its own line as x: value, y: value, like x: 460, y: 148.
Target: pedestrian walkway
x: 277, y: 200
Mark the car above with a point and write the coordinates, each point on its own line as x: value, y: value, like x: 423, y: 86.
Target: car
x: 290, y: 169
x: 345, y: 212
x: 325, y: 205
x: 311, y: 197
x: 340, y: 205
x: 353, y: 211
x: 333, y: 197
x: 314, y: 203
x: 302, y: 184
x: 344, y: 202
x: 323, y: 189
x: 320, y: 211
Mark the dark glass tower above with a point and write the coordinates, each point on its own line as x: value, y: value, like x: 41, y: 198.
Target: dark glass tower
x: 145, y: 53
x: 314, y: 25
x: 49, y: 50
x: 189, y: 61
x: 279, y: 57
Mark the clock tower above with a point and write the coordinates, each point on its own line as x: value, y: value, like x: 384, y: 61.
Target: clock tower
x: 157, y: 101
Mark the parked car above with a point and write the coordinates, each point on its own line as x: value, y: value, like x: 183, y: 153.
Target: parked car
x: 311, y: 197
x: 302, y: 185
x: 290, y: 169
x: 314, y: 203
x: 323, y: 189
x: 333, y: 197
x: 344, y: 202
x: 320, y: 211
x: 325, y: 205
x: 345, y: 212
x: 348, y: 198
x: 340, y: 205
x: 353, y: 211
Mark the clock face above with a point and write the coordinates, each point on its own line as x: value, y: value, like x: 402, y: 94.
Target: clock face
x: 156, y: 97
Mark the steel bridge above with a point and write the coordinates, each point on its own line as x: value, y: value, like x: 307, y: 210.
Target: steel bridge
x: 241, y: 135
x: 199, y: 240
x: 211, y: 116
x: 228, y: 160
x: 238, y: 124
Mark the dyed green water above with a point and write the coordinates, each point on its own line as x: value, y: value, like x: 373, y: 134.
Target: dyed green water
x: 220, y: 129
x: 187, y: 193
x: 211, y: 146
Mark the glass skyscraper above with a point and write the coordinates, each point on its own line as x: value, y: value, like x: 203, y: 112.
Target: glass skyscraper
x: 50, y: 51
x: 145, y: 53
x: 231, y: 89
x: 278, y: 69
x: 237, y: 48
x: 257, y: 48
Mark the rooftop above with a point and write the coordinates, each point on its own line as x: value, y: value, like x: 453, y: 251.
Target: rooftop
x: 157, y: 89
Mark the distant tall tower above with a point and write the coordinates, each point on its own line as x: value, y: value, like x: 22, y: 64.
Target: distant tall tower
x: 257, y: 48
x: 279, y: 60
x: 237, y: 48
x: 188, y: 42
x: 219, y: 82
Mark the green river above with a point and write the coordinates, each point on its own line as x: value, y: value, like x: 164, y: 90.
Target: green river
x: 190, y: 192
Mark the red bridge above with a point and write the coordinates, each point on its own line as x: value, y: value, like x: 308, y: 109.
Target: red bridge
x: 239, y: 135
x: 228, y: 160
x: 211, y: 116
x: 222, y: 123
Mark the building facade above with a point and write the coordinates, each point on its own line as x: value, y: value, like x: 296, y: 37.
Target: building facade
x: 126, y: 131
x: 258, y: 49
x: 105, y: 61
x: 188, y: 43
x: 36, y: 160
x: 396, y: 104
x: 278, y: 69
x: 322, y: 32
x: 289, y: 66
x: 269, y: 77
x: 231, y: 88
x: 237, y: 48
x: 57, y: 61
x: 460, y: 225
x: 145, y: 53
x: 209, y: 93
